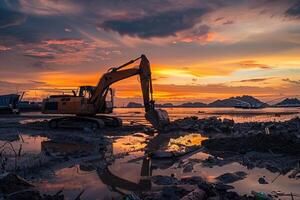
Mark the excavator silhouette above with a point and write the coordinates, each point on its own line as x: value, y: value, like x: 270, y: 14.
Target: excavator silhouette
x: 92, y: 100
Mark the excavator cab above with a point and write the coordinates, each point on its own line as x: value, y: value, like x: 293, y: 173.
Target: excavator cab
x: 86, y: 91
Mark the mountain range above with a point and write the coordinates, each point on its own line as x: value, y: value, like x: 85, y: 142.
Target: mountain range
x: 289, y: 102
x: 239, y: 101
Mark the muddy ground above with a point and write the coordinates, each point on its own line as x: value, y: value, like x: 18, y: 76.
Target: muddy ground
x: 136, y: 162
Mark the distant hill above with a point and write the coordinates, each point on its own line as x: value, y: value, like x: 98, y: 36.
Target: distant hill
x: 289, y: 102
x: 192, y: 105
x: 165, y: 105
x: 238, y: 102
x: 134, y: 105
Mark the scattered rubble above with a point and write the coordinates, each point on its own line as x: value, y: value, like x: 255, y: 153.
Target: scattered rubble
x: 214, y: 126
x: 205, y: 126
x: 275, y: 143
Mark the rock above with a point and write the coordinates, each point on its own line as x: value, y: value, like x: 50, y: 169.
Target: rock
x: 228, y: 122
x: 164, y: 180
x: 231, y: 177
x: 25, y: 194
x: 131, y: 197
x: 173, y: 192
x: 262, y: 180
x: 188, y: 168
x: 197, y: 194
x: 87, y: 167
x: 277, y: 143
x: 10, y: 183
x: 193, y: 180
x: 223, y: 187
x: 162, y: 154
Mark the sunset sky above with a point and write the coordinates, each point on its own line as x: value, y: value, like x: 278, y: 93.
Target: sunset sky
x: 199, y: 50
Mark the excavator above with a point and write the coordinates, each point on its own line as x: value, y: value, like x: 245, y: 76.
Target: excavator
x: 89, y: 106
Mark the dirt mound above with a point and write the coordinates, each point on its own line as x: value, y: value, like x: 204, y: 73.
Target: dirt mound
x: 275, y: 143
x: 205, y: 125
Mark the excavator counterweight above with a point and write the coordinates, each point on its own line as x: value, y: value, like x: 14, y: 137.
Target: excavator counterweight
x: 92, y: 100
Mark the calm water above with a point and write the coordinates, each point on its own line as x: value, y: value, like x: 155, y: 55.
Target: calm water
x: 238, y: 115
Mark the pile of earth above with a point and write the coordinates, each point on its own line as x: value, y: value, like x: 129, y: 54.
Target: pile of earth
x: 277, y: 143
x: 227, y: 127
x: 204, y: 125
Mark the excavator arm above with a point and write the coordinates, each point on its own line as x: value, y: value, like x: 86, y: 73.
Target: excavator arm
x: 157, y: 117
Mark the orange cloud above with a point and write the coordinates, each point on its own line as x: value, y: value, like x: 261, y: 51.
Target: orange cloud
x: 252, y: 64
x: 206, y: 38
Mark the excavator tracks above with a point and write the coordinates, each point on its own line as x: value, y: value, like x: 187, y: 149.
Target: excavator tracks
x: 82, y: 122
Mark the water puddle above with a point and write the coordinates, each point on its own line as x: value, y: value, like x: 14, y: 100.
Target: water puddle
x: 24, y: 143
x: 73, y: 180
x: 130, y: 143
x: 182, y: 143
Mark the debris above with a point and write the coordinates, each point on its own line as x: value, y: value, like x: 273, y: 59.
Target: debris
x: 131, y: 197
x: 197, y: 194
x: 232, y: 177
x: 162, y: 154
x: 223, y: 187
x: 164, y: 180
x: 188, y: 167
x: 262, y: 180
x: 207, y: 126
x: 261, y: 196
x: 278, y: 143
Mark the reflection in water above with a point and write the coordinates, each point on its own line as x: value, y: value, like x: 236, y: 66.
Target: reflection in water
x: 130, y: 143
x: 183, y: 142
x: 28, y: 144
x: 238, y: 115
x: 73, y: 180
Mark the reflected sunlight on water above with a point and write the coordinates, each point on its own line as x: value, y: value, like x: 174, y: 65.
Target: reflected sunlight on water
x: 180, y: 144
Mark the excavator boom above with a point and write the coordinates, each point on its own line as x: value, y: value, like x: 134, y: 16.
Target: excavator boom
x: 157, y: 117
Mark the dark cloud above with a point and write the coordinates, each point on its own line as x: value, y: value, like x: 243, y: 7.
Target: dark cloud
x: 294, y: 10
x: 51, y: 48
x: 39, y: 55
x: 228, y: 22
x: 219, y: 19
x: 13, y: 87
x: 158, y: 25
x: 10, y: 18
x: 41, y: 65
x: 39, y: 82
x: 291, y: 81
x: 255, y: 80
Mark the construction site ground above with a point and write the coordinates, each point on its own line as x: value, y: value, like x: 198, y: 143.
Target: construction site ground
x: 205, y: 153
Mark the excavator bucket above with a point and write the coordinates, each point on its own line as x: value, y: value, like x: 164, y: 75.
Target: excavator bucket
x: 158, y: 118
